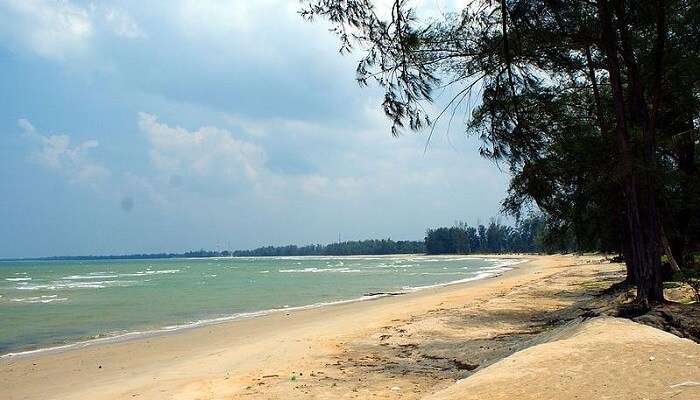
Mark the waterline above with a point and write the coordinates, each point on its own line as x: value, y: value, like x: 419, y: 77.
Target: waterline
x: 207, y: 284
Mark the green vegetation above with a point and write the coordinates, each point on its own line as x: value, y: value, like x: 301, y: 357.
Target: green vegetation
x: 348, y: 248
x: 525, y: 237
x: 359, y: 247
x: 593, y: 106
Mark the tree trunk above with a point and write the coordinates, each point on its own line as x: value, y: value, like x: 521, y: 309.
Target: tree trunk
x: 643, y: 234
x: 627, y: 250
x: 669, y: 254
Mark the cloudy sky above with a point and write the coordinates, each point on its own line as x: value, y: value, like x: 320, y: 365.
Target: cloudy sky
x: 132, y: 126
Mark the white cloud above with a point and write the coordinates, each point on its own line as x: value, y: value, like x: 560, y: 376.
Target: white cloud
x: 235, y: 30
x: 27, y: 127
x: 314, y: 184
x: 214, y: 17
x: 52, y: 29
x: 56, y: 153
x: 208, y: 153
x: 363, y: 159
x: 123, y: 24
x: 62, y: 30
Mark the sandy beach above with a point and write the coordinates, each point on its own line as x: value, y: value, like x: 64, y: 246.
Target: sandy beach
x: 441, y: 342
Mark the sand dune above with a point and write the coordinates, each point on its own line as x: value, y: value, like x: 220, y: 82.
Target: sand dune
x: 603, y: 358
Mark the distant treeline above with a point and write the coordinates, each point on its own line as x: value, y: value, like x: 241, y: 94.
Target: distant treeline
x: 350, y: 248
x: 524, y: 237
x: 187, y: 254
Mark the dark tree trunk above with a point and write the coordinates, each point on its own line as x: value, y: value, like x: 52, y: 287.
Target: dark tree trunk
x: 627, y: 250
x: 650, y: 281
x: 643, y: 233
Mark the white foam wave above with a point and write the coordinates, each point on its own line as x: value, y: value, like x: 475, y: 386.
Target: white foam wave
x: 510, y: 262
x: 108, y: 275
x: 439, y: 273
x: 317, y: 270
x: 395, y: 265
x: 39, y: 299
x: 18, y: 279
x: 62, y: 285
x: 479, y: 276
x: 89, y: 276
x: 151, y: 272
x: 331, y: 258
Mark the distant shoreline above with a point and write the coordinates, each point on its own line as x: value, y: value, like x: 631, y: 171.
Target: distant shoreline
x: 183, y: 256
x: 460, y: 239
x: 368, y: 247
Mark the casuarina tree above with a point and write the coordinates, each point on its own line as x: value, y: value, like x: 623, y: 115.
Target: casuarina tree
x: 592, y: 104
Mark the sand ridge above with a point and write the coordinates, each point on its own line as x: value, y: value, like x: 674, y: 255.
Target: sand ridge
x: 602, y: 358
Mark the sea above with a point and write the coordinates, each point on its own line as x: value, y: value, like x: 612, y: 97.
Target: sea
x: 57, y: 304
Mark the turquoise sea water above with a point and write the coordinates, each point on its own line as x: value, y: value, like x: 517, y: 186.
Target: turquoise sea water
x: 53, y: 303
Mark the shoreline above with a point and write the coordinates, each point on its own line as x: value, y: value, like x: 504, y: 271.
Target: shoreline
x: 398, y: 347
x: 500, y: 269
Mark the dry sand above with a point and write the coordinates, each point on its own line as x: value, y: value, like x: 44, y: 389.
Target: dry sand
x: 402, y: 347
x: 603, y: 358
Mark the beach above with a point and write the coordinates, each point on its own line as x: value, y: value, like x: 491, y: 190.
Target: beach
x: 409, y: 346
x: 57, y: 303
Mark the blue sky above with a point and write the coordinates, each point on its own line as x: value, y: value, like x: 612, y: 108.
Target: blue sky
x: 137, y: 126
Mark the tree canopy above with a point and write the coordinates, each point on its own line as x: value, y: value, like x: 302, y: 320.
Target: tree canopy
x: 347, y: 248
x: 527, y: 236
x: 593, y: 105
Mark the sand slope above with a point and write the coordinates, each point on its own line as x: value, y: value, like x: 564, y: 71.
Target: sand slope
x: 603, y: 358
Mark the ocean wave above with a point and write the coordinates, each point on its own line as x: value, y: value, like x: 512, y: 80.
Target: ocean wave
x: 61, y: 285
x: 395, y: 265
x: 509, y: 262
x: 88, y: 276
x: 112, y: 275
x: 328, y: 258
x: 439, y: 273
x: 477, y: 277
x: 498, y: 263
x: 152, y: 272
x: 317, y: 270
x: 39, y: 299
x: 18, y: 279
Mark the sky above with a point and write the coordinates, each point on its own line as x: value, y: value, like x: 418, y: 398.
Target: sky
x: 172, y: 125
